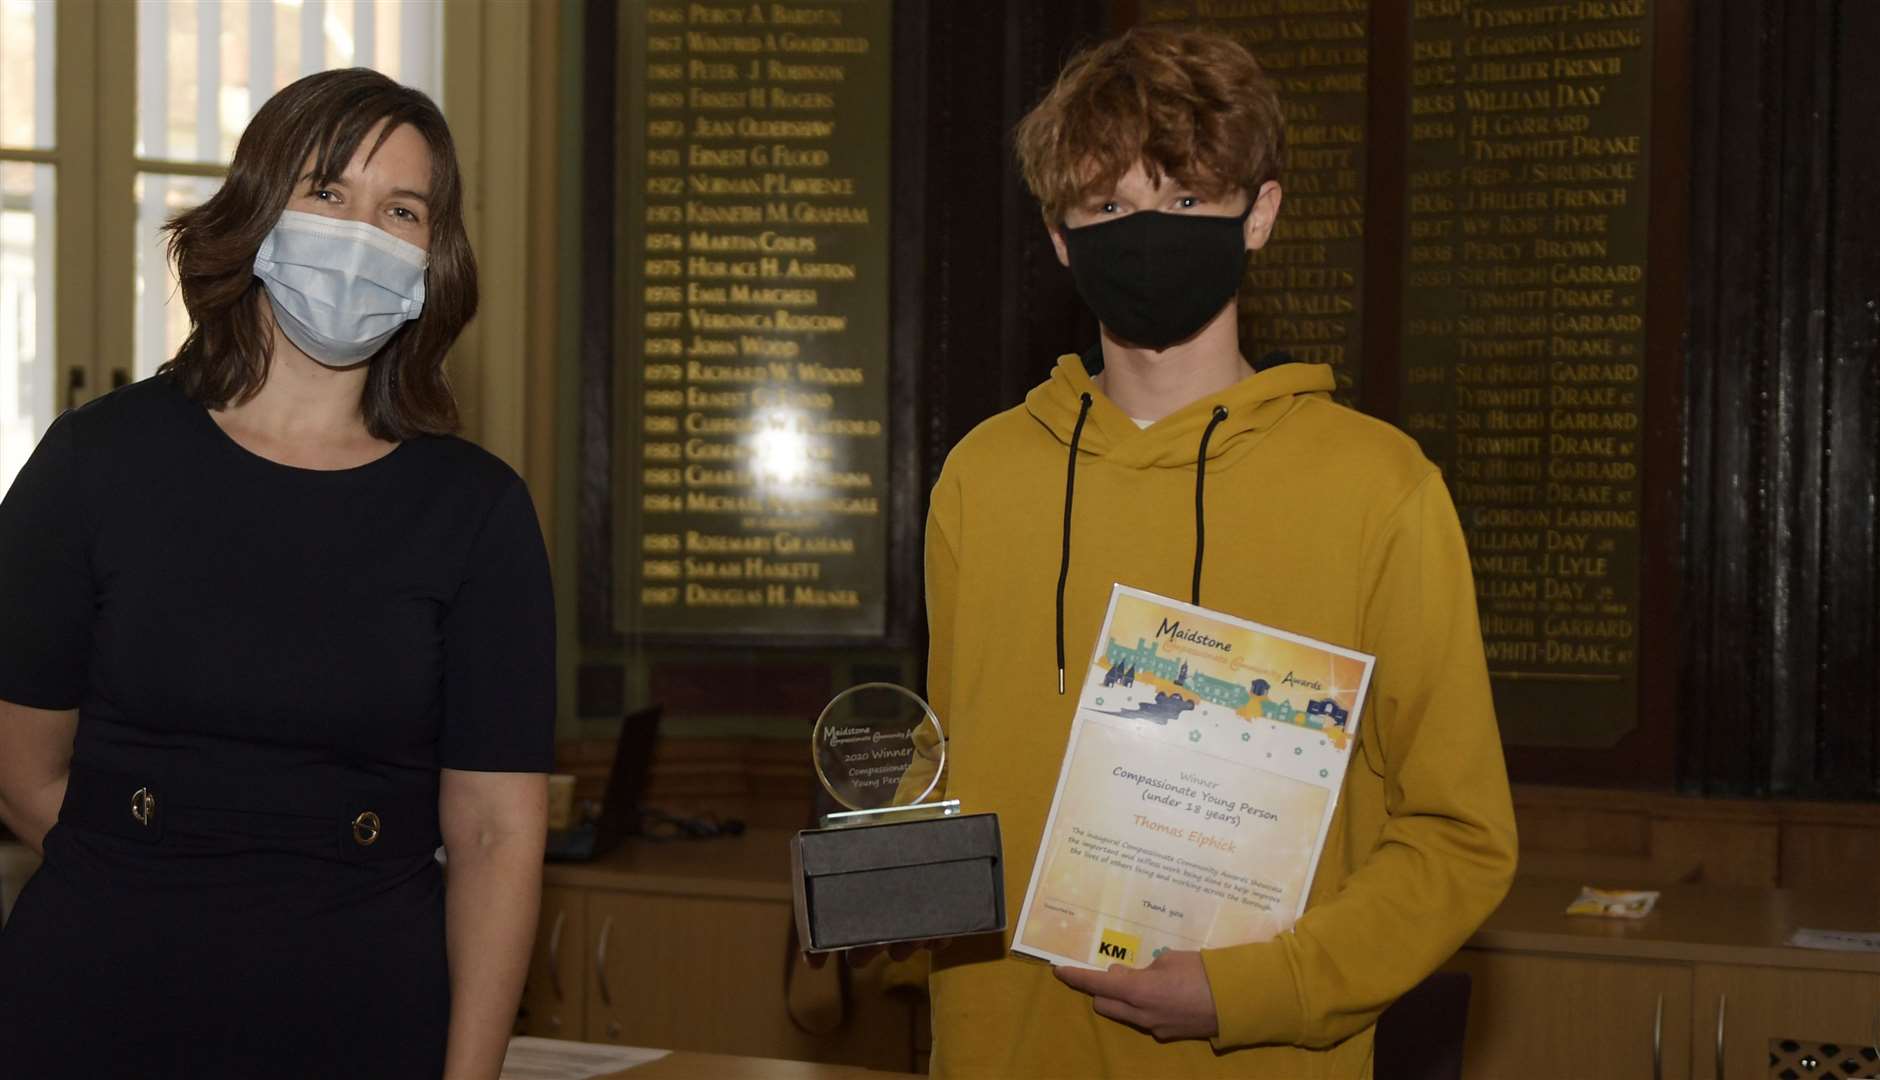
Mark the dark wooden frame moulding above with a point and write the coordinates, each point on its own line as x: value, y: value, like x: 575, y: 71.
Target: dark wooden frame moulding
x: 1647, y: 756
x: 594, y: 471
x: 601, y: 318
x: 1781, y: 684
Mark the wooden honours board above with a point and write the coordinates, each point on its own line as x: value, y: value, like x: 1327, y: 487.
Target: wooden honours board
x: 754, y: 351
x: 1501, y: 218
x: 1306, y: 287
x: 1523, y: 350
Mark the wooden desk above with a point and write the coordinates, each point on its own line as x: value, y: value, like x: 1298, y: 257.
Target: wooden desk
x: 1692, y: 923
x: 685, y: 944
x: 1570, y: 996
x: 688, y: 1066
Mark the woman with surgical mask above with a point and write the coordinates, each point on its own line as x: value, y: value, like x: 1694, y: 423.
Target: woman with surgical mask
x: 270, y: 635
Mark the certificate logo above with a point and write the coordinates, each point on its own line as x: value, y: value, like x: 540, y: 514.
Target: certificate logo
x: 1119, y: 948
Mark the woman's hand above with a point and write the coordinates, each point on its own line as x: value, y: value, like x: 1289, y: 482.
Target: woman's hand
x: 1169, y: 999
x: 495, y: 825
x: 35, y: 758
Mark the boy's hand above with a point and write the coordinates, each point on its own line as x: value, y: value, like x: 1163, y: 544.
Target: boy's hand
x: 1169, y: 999
x: 897, y: 952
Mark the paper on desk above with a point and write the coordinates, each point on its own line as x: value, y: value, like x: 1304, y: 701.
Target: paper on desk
x: 1613, y: 903
x: 555, y: 1059
x: 1839, y: 940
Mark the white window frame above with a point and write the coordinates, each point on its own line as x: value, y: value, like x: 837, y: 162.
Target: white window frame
x: 498, y: 82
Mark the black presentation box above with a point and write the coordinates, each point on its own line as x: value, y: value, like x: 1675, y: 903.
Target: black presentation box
x: 901, y: 881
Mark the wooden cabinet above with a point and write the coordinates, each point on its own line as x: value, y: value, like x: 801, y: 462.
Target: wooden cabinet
x: 684, y: 947
x: 1542, y: 1017
x: 1747, y: 1013
x: 690, y: 973
x: 1559, y: 996
x: 554, y: 998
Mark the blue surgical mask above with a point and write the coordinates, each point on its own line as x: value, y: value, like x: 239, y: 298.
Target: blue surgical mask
x: 340, y: 289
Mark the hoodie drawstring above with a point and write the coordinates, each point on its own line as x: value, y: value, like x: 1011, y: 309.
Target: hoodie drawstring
x: 1201, y: 479
x: 1064, y: 563
x: 1070, y: 489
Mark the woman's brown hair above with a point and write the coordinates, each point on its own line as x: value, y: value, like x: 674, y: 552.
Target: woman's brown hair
x: 322, y: 117
x: 1188, y: 104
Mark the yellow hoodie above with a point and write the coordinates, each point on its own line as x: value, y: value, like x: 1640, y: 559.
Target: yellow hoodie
x: 1318, y: 520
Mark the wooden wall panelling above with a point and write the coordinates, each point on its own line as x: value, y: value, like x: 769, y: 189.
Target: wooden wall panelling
x: 1554, y: 819
x: 742, y: 683
x: 1781, y: 407
x: 1751, y: 842
x: 1653, y: 747
x: 1726, y: 852
x: 1800, y: 40
x: 1605, y: 831
x: 1722, y: 626
x: 1648, y: 756
x: 541, y: 361
x: 1609, y: 871
x: 594, y: 474
x: 761, y: 782
x: 999, y: 307
x: 1831, y: 857
x: 1040, y: 315
x: 1847, y: 745
x: 908, y: 303
x: 1386, y: 208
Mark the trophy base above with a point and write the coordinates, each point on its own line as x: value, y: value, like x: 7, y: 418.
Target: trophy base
x: 888, y: 815
x: 906, y: 874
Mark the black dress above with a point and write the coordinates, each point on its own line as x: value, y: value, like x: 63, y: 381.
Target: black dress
x: 270, y: 665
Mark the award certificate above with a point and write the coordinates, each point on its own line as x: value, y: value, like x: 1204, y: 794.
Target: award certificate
x: 1204, y: 762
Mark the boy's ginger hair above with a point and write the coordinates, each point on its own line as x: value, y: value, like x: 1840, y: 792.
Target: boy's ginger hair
x: 1189, y: 105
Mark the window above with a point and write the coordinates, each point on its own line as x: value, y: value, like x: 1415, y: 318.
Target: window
x: 106, y: 114
x: 203, y: 68
x: 28, y: 164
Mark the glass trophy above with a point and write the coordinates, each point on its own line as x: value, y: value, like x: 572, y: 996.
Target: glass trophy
x: 879, y: 751
x: 896, y: 863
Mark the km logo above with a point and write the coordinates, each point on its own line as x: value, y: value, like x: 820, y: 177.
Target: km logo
x: 1118, y: 947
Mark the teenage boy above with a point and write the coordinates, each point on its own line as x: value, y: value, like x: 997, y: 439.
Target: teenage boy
x: 1156, y: 161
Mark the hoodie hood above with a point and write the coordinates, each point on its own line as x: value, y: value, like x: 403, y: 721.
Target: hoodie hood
x: 1071, y: 407
x: 1254, y: 405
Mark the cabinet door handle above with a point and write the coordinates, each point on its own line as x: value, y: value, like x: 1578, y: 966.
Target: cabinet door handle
x: 600, y: 962
x: 74, y: 385
x: 1723, y: 1004
x: 554, y: 954
x: 1658, y: 1040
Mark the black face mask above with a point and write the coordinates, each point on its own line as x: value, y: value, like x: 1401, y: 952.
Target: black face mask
x: 1154, y: 279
